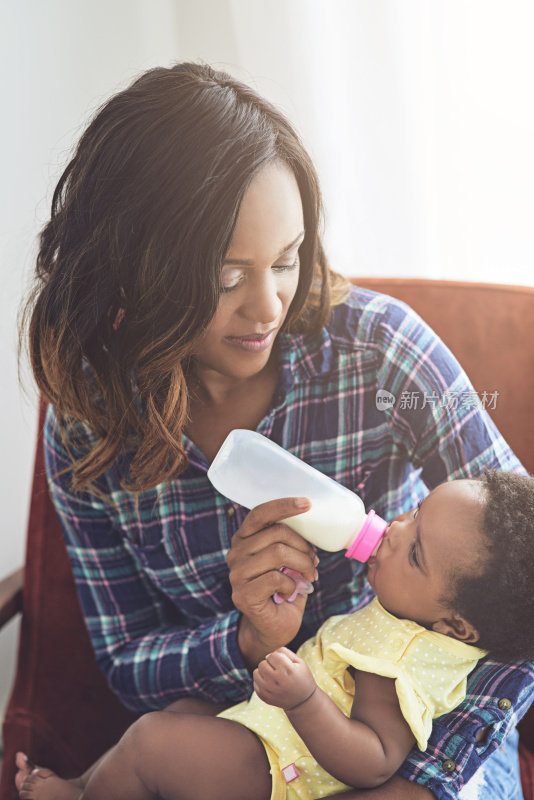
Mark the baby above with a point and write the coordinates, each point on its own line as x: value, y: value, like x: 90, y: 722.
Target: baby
x: 451, y: 577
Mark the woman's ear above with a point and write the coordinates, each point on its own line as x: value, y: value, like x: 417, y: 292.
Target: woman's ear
x: 457, y: 627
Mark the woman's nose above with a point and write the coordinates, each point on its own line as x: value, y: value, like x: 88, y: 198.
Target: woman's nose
x: 262, y: 303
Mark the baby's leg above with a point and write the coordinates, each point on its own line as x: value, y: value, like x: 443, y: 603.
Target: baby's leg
x: 195, y: 705
x: 183, y: 757
x: 174, y: 756
x: 187, y: 705
x: 42, y: 783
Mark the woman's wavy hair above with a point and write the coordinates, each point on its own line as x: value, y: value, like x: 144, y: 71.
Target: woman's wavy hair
x: 128, y: 270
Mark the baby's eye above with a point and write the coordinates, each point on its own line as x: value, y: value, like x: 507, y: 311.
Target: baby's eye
x: 415, y: 512
x: 413, y: 555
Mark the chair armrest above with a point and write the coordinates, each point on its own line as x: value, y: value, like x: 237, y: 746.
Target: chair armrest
x: 11, y: 596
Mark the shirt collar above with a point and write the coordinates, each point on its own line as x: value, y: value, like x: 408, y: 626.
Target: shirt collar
x: 302, y: 357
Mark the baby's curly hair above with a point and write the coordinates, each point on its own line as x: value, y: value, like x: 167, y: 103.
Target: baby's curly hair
x: 500, y: 601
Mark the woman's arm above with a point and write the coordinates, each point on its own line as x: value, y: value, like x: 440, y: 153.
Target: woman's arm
x: 259, y: 548
x: 150, y: 654
x: 363, y: 750
x: 154, y: 586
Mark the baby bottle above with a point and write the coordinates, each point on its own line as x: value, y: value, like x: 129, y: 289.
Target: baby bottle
x: 250, y: 469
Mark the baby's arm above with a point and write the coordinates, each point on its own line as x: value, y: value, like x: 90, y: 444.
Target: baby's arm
x: 363, y: 750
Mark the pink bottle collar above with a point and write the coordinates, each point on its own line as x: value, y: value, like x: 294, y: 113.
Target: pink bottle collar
x: 368, y: 538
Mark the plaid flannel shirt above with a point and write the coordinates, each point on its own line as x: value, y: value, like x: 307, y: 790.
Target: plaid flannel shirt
x: 151, y: 571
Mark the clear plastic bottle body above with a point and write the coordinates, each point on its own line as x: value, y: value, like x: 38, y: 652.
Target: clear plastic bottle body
x: 250, y: 469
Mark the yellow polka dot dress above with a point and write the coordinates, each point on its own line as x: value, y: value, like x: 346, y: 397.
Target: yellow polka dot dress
x: 429, y: 669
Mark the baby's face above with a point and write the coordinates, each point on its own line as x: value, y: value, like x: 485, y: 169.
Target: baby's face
x: 423, y: 550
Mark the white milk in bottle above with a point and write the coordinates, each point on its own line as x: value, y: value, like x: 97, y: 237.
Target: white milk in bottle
x: 250, y: 469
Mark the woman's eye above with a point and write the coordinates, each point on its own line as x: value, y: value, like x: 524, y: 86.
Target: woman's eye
x: 413, y: 555
x: 286, y: 267
x: 230, y: 279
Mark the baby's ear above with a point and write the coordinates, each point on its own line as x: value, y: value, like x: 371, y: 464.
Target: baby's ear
x: 457, y: 627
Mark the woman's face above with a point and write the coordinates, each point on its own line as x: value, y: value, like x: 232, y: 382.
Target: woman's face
x: 259, y: 277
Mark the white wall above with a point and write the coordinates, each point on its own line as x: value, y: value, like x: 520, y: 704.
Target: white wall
x: 418, y: 114
x: 59, y: 60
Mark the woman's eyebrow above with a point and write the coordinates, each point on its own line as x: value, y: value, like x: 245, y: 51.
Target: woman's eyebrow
x: 248, y: 262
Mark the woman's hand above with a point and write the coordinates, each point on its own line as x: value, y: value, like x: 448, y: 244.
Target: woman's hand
x: 260, y: 547
x: 283, y: 679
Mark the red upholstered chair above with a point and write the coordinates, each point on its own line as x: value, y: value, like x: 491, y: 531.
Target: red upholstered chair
x: 61, y: 710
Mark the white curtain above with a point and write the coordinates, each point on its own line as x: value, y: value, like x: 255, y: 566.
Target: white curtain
x: 418, y: 113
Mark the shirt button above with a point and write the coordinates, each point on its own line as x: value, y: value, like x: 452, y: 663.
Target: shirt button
x: 504, y: 704
x: 230, y: 511
x: 449, y: 765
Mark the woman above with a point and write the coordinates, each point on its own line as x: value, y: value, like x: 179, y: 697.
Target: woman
x: 183, y: 291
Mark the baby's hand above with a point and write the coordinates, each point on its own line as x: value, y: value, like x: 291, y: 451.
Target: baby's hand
x: 283, y: 679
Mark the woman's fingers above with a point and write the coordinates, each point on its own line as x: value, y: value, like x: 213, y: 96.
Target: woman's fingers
x: 270, y: 513
x: 264, y: 625
x: 275, y: 533
x: 262, y: 543
x: 271, y: 556
x: 260, y: 548
x: 249, y: 596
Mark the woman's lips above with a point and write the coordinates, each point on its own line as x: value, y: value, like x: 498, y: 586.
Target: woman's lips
x: 254, y: 343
